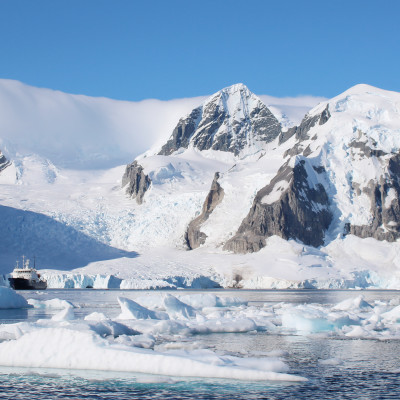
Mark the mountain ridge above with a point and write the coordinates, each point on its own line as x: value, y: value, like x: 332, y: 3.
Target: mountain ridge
x: 305, y: 199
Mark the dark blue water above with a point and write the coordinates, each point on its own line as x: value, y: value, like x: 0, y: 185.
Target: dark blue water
x: 366, y: 369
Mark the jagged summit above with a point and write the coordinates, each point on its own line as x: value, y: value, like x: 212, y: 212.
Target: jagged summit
x: 233, y: 120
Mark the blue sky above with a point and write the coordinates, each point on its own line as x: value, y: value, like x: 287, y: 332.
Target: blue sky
x: 133, y: 50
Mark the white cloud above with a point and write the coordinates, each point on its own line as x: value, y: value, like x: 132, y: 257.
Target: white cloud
x: 86, y: 132
x: 293, y: 107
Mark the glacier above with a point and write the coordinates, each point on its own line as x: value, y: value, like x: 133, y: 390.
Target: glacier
x: 85, y: 231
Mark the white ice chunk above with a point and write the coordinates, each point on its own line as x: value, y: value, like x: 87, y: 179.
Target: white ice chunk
x: 53, y: 303
x: 111, y: 328
x: 132, y: 310
x: 353, y: 304
x: 87, y: 351
x: 9, y: 298
x: 144, y: 341
x: 359, y: 332
x: 15, y: 331
x: 306, y: 323
x: 200, y: 301
x: 176, y: 309
x: 225, y: 325
x: 96, y: 316
x: 65, y: 315
x: 393, y: 315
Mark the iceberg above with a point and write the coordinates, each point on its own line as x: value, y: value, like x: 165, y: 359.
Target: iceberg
x: 9, y: 298
x: 88, y: 351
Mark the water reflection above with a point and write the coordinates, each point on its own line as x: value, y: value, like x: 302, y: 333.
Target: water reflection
x: 13, y: 315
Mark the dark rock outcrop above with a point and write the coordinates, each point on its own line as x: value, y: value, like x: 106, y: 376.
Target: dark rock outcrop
x: 136, y: 181
x: 292, y: 206
x: 365, y: 150
x: 194, y: 237
x: 231, y: 120
x: 4, y: 163
x: 385, y: 204
x: 182, y: 133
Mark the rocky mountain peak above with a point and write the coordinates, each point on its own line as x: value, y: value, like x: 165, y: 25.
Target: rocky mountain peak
x: 341, y: 176
x: 233, y: 120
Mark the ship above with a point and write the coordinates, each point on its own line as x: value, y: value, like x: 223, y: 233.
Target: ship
x: 26, y: 278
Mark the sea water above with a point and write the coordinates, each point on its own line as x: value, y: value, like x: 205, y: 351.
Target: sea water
x: 336, y: 368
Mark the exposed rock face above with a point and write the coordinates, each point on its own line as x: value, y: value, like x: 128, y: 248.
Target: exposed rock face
x: 194, y: 237
x: 4, y: 163
x: 301, y: 132
x: 136, y: 180
x: 385, y: 204
x: 365, y: 150
x: 292, y: 206
x: 183, y: 132
x: 231, y: 120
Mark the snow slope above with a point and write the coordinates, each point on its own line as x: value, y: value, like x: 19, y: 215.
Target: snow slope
x: 85, y: 231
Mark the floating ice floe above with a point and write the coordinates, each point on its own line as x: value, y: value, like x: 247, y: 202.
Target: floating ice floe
x: 153, y: 335
x: 67, y: 314
x: 9, y: 298
x: 84, y: 350
x: 132, y: 310
x: 50, y: 304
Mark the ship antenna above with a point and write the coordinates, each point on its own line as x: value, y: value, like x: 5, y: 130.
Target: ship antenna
x: 23, y: 261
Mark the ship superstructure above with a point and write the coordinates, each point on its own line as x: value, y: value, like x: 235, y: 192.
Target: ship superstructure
x: 26, y: 278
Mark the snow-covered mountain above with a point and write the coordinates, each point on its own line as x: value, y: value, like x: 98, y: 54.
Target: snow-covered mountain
x: 257, y: 204
x: 338, y: 175
x: 341, y: 175
x: 233, y: 120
